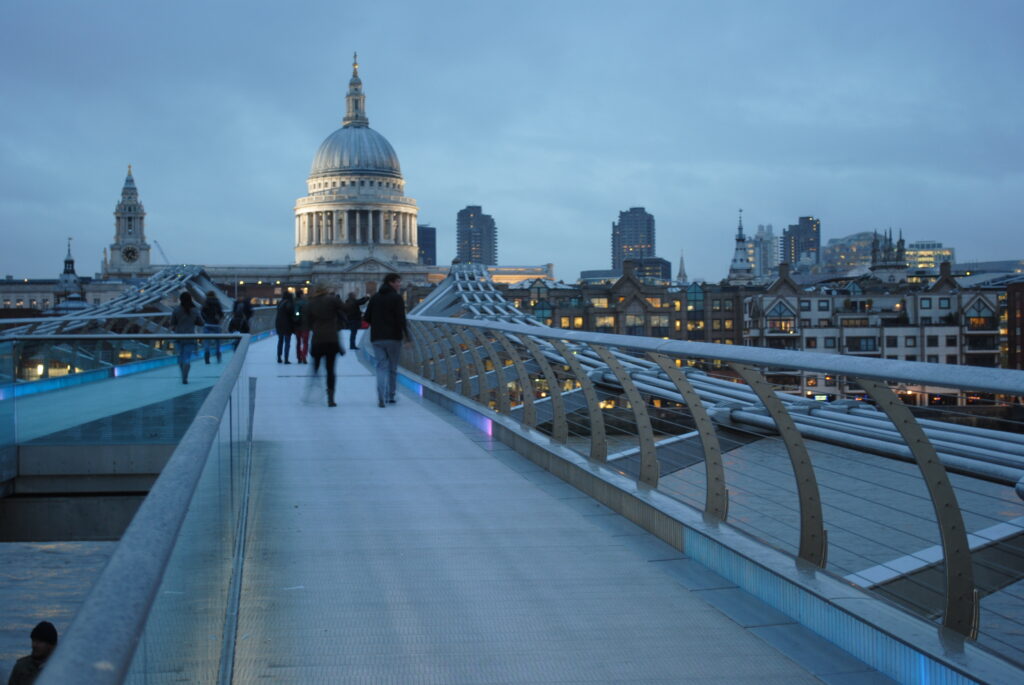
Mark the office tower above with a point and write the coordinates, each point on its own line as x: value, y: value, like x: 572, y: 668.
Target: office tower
x: 427, y: 236
x: 632, y: 236
x: 476, y: 236
x: 801, y: 242
x: 765, y: 251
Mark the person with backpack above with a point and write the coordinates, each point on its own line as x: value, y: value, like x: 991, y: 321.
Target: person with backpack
x: 213, y: 315
x: 284, y: 324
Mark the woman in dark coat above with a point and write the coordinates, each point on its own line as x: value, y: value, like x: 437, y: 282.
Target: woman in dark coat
x: 353, y: 317
x: 284, y: 325
x: 325, y: 314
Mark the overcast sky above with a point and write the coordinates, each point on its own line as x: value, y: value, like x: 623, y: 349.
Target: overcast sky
x: 554, y: 116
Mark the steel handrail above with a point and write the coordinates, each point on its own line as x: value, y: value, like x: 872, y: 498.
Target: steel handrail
x: 100, y: 644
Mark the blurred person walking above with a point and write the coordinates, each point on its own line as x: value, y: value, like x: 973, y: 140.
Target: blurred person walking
x: 184, y: 320
x: 213, y: 314
x: 325, y: 315
x: 284, y: 324
x: 241, y: 313
x: 386, y: 315
x: 353, y: 317
x: 301, y: 326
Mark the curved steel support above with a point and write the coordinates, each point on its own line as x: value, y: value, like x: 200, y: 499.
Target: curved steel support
x: 559, y: 425
x: 418, y: 356
x: 456, y: 358
x: 430, y: 343
x: 481, y: 374
x: 962, y: 605
x: 598, y: 441
x: 716, y: 498
x: 813, y: 541
x: 499, y: 370
x: 525, y: 385
x: 441, y: 358
x: 649, y: 468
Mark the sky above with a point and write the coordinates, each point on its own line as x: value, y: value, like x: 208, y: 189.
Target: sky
x: 554, y: 116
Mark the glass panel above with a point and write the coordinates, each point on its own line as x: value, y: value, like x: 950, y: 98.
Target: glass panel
x: 184, y: 633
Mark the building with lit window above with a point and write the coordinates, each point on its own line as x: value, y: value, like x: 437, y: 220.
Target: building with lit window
x: 476, y: 236
x: 928, y: 254
x: 632, y: 236
x: 801, y: 242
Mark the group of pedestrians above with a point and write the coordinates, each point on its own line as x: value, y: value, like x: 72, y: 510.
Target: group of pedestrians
x: 325, y: 314
x: 186, y: 318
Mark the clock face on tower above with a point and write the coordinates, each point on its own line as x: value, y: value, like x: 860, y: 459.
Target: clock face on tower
x: 129, y: 253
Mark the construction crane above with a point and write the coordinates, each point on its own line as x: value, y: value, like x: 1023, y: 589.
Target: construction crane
x: 162, y: 253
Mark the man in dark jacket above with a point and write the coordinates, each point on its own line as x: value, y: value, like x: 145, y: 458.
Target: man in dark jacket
x: 27, y: 668
x: 324, y: 316
x: 284, y: 324
x: 386, y: 315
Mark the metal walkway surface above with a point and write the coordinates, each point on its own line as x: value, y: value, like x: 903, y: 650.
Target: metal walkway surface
x: 400, y: 545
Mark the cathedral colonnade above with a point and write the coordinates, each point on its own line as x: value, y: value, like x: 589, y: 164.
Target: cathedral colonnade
x: 355, y: 226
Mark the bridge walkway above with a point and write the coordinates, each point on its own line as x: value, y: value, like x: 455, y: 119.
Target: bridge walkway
x: 400, y: 545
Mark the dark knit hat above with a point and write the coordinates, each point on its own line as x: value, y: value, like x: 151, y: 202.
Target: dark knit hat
x: 45, y: 632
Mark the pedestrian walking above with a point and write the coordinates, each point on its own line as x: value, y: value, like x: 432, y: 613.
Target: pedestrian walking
x: 241, y: 314
x: 325, y: 315
x: 213, y: 315
x: 353, y: 317
x: 184, y: 320
x: 301, y: 327
x: 284, y: 324
x: 386, y: 315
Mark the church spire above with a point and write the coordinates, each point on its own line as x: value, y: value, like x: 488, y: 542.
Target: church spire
x: 69, y: 261
x: 129, y: 191
x: 741, y: 270
x: 355, y: 101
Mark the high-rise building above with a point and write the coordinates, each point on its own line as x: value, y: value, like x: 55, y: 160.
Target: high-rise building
x: 801, y: 242
x: 765, y: 251
x: 632, y: 236
x: 476, y: 236
x: 428, y: 244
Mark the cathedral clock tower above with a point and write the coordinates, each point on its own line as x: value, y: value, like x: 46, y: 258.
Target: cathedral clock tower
x: 129, y: 253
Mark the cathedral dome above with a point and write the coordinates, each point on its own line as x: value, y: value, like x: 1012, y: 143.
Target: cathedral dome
x: 356, y: 150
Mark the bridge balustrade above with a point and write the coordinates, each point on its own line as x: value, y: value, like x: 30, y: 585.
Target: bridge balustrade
x: 718, y: 427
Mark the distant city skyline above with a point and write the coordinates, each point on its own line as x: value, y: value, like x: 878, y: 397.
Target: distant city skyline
x: 553, y: 124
